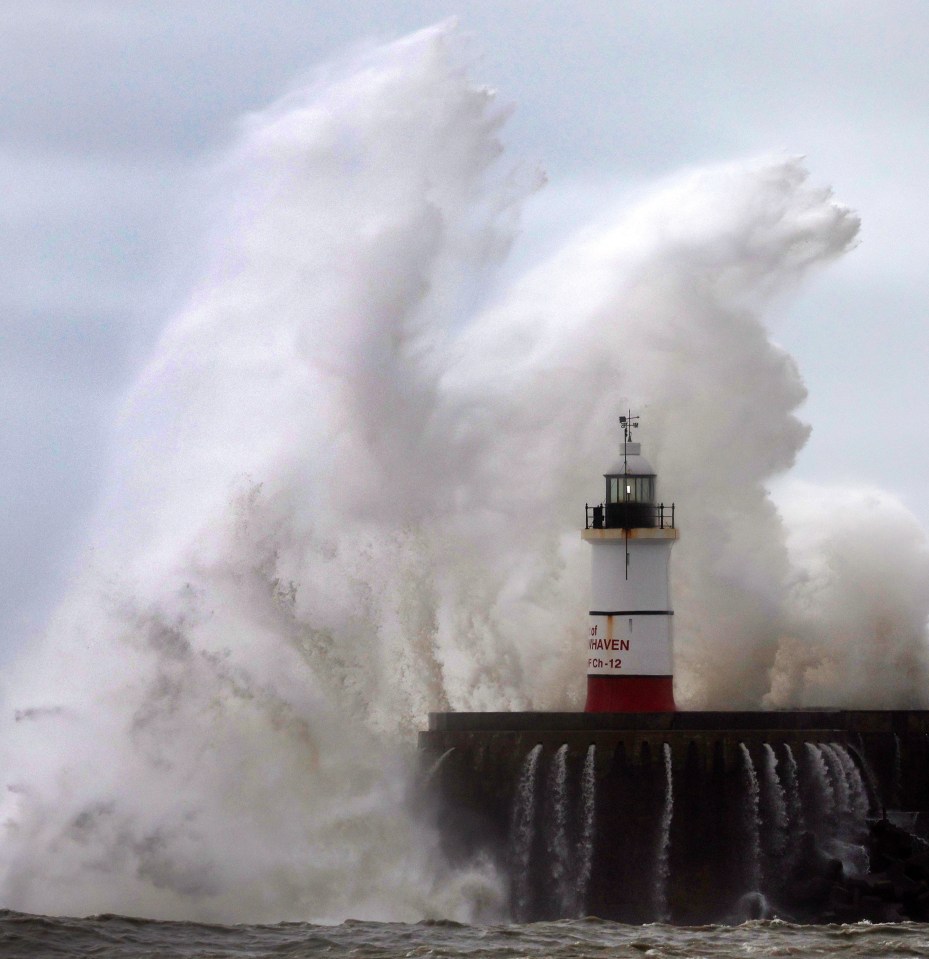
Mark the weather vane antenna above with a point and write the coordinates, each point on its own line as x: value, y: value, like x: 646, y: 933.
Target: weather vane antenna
x: 627, y: 423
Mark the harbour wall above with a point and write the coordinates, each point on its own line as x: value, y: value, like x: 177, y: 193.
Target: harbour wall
x: 692, y: 816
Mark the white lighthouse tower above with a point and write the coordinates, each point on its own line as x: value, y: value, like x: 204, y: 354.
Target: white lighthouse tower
x: 630, y: 657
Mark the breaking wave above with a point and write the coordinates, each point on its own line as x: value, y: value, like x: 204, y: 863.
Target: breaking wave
x: 342, y: 496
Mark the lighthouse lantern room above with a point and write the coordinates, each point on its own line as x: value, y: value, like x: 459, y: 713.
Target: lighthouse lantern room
x: 630, y: 661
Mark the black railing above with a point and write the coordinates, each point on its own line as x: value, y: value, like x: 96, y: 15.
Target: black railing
x: 629, y: 516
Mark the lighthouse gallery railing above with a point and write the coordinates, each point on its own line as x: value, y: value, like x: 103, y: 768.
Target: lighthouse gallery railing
x: 629, y: 516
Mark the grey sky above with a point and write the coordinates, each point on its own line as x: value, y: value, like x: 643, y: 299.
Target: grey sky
x: 110, y: 111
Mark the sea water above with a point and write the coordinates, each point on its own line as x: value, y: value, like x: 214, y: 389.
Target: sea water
x: 118, y: 937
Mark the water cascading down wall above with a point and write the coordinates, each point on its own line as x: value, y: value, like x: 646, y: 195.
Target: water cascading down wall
x: 689, y: 817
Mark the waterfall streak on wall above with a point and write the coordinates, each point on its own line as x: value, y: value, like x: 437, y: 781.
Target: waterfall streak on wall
x: 437, y: 765
x: 840, y: 787
x: 557, y: 836
x: 752, y: 822
x: 663, y: 857
x: 792, y: 790
x: 588, y: 812
x: 776, y: 821
x: 858, y: 792
x: 523, y: 831
x: 820, y: 815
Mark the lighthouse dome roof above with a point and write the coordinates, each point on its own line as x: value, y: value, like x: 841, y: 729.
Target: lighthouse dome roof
x: 635, y: 463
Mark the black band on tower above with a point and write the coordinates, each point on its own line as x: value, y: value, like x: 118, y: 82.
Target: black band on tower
x: 631, y: 612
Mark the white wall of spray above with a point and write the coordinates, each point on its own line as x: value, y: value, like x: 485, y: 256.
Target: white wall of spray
x: 665, y: 304
x: 858, y: 600
x: 339, y: 499
x: 204, y: 731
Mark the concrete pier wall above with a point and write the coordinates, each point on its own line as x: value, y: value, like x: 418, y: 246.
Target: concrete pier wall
x: 710, y: 853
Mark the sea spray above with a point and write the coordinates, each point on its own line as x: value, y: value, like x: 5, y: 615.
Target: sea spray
x: 858, y: 604
x: 657, y: 306
x: 308, y: 536
x: 213, y: 727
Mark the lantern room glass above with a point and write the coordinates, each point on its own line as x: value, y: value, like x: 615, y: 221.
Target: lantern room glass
x: 630, y: 489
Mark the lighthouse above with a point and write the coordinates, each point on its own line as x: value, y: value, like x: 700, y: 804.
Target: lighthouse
x: 630, y: 657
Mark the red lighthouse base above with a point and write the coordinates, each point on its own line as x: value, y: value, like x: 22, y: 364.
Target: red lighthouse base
x: 630, y: 694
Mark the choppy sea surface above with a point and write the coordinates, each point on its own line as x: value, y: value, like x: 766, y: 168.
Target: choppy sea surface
x: 118, y: 936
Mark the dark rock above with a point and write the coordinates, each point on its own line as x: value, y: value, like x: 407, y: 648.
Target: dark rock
x: 902, y: 884
x: 808, y: 892
x: 880, y: 886
x: 892, y: 841
x: 917, y: 866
